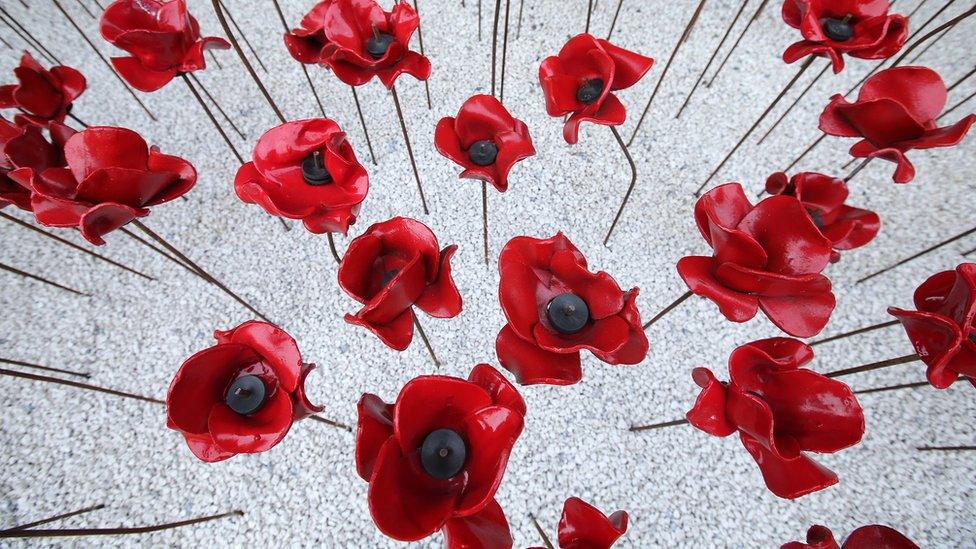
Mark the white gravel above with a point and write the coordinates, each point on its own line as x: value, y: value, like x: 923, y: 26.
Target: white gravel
x: 64, y: 449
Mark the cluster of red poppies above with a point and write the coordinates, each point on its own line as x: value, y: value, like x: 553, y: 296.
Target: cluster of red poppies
x: 435, y: 457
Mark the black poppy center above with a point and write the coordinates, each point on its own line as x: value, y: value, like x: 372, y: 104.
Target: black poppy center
x: 377, y: 45
x: 838, y: 30
x: 817, y: 219
x: 245, y: 395
x: 388, y: 276
x: 313, y: 170
x: 443, y: 453
x: 590, y: 91
x: 483, y: 152
x: 972, y: 338
x: 568, y: 313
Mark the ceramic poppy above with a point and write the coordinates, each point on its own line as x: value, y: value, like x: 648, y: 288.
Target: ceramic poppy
x: 358, y: 40
x: 579, y: 80
x: 435, y: 457
x: 780, y: 411
x: 556, y: 307
x: 485, y: 140
x: 391, y: 267
x: 943, y: 328
x: 583, y: 526
x: 108, y: 178
x: 874, y: 536
x: 162, y: 38
x: 41, y: 95
x: 896, y: 111
x: 240, y: 396
x: 305, y: 169
x: 832, y: 29
x: 823, y: 198
x: 768, y: 256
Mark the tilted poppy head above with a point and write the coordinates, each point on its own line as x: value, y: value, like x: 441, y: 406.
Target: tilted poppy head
x: 109, y: 177
x: 43, y: 96
x: 874, y: 536
x: 579, y: 80
x: 780, y: 411
x: 823, y: 198
x: 484, y: 139
x: 897, y: 110
x: 768, y: 256
x: 583, y: 526
x: 240, y: 396
x: 162, y: 38
x: 435, y: 458
x: 943, y: 328
x: 305, y: 169
x: 358, y: 40
x: 556, y: 307
x: 391, y: 267
x: 832, y: 29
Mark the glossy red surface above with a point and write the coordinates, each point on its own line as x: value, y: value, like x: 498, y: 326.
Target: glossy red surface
x: 780, y: 411
x: 876, y: 34
x: 768, y: 256
x: 195, y: 402
x: 274, y: 179
x: 823, y: 198
x: 23, y: 148
x: 483, y: 118
x: 587, y: 58
x: 874, y: 536
x: 895, y: 112
x: 422, y: 278
x: 334, y: 34
x: 42, y: 96
x: 942, y: 327
x: 162, y: 38
x: 106, y: 178
x: 533, y: 271
x: 405, y: 502
x: 583, y: 526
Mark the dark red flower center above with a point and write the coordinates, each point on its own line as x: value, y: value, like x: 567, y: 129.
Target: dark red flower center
x: 245, y: 395
x: 313, y: 170
x: 377, y: 44
x: 483, y: 153
x: 388, y: 276
x: 817, y: 219
x: 589, y: 91
x: 838, y: 30
x: 972, y: 338
x: 443, y: 453
x: 568, y: 313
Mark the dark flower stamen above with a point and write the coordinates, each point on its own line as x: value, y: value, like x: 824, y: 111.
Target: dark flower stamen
x: 245, y: 395
x: 443, y: 453
x: 838, y: 30
x: 590, y: 91
x: 313, y: 170
x: 568, y: 313
x: 377, y: 45
x: 483, y: 153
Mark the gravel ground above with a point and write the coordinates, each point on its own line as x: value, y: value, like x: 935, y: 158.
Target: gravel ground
x: 65, y: 449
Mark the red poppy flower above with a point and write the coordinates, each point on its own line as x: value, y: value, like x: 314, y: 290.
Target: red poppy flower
x: 780, y: 411
x: 768, y: 256
x: 583, y: 526
x: 41, y: 95
x: 358, y: 40
x: 305, y: 170
x: 578, y: 82
x: 242, y: 395
x: 162, y: 37
x: 556, y: 307
x: 435, y: 457
x: 110, y: 178
x: 485, y: 140
x: 943, y: 329
x: 832, y: 28
x: 896, y: 111
x: 391, y: 267
x: 874, y: 536
x: 27, y: 149
x: 823, y: 198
